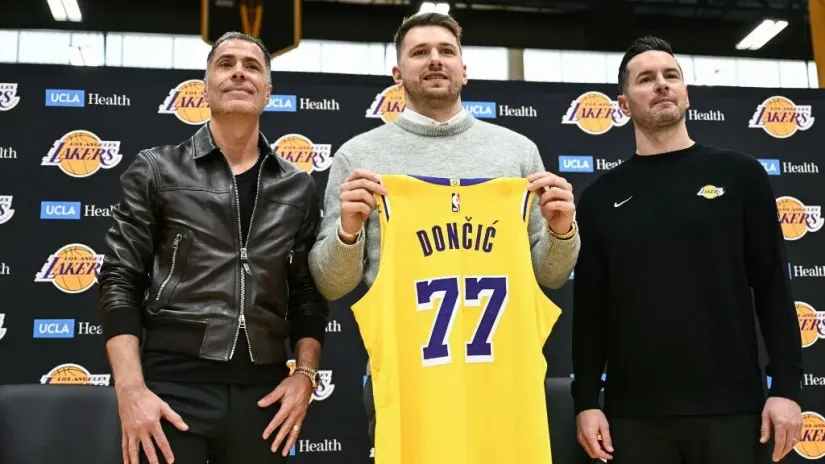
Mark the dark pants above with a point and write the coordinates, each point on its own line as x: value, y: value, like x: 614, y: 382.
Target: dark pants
x: 732, y: 439
x: 226, y: 424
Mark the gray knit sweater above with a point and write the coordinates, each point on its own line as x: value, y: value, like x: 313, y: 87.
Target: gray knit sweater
x: 466, y: 148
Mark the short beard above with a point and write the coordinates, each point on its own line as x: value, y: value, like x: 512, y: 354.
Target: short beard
x: 419, y: 95
x: 661, y: 119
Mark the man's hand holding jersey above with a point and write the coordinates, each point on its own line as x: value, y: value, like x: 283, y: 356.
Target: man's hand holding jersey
x: 357, y: 202
x: 555, y: 199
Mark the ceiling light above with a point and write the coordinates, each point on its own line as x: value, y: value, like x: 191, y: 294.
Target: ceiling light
x: 434, y: 7
x: 65, y: 10
x: 761, y: 34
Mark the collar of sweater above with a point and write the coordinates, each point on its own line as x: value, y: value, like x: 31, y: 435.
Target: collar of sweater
x: 434, y: 130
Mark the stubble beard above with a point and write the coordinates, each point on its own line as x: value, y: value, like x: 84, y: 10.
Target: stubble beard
x: 439, y: 99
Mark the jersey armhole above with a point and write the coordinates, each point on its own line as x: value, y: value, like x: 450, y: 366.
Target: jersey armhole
x: 526, y: 203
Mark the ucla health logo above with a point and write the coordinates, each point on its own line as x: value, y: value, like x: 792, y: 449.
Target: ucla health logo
x: 8, y: 96
x: 282, y: 103
x: 6, y: 212
x: 481, y: 110
x: 569, y: 163
x: 53, y: 328
x: 772, y: 166
x: 60, y: 210
x: 65, y: 97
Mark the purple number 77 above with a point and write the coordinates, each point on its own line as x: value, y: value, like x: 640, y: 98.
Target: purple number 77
x: 448, y: 289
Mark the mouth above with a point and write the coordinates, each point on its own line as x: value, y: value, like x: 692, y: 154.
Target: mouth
x: 663, y: 100
x: 239, y: 89
x: 436, y: 77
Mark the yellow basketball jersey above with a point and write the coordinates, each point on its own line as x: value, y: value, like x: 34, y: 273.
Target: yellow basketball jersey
x: 454, y: 325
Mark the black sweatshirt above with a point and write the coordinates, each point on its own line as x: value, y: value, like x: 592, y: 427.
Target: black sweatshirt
x: 671, y: 245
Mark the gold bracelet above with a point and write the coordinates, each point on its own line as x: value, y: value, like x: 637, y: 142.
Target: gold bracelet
x: 568, y: 235
x: 310, y: 373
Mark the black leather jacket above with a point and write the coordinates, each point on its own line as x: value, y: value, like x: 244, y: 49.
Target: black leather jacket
x: 175, y: 267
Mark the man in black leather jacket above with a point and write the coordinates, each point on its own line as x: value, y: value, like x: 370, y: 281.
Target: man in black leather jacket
x: 205, y: 282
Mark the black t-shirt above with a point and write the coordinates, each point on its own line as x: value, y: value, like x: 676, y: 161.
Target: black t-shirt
x: 175, y: 367
x: 671, y: 245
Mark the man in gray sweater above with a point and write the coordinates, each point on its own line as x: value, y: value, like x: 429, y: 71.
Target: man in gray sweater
x: 433, y: 136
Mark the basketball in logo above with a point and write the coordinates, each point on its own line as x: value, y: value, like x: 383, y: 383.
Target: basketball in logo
x: 72, y: 269
x: 780, y: 117
x: 797, y: 219
x: 595, y: 113
x: 73, y: 374
x: 300, y: 151
x: 81, y: 153
x: 186, y: 101
x: 811, y: 323
x: 812, y: 444
x: 388, y: 104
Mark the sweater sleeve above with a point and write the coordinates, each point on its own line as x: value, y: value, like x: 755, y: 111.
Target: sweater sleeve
x: 766, y: 266
x: 590, y: 289
x: 553, y: 258
x: 336, y: 266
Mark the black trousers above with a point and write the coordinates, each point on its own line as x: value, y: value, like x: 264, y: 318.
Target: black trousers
x: 723, y: 439
x: 226, y: 425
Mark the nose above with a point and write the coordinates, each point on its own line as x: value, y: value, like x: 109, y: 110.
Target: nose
x: 435, y: 58
x: 239, y: 72
x: 661, y: 83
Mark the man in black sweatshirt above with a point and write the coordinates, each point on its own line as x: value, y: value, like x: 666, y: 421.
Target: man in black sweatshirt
x: 681, y: 248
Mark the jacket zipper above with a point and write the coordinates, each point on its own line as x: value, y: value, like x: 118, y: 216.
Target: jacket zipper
x: 175, y: 245
x: 244, y: 256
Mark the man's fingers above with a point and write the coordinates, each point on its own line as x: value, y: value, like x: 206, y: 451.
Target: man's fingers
x: 276, y: 421
x: 607, y: 442
x: 174, y: 418
x: 765, y: 429
x: 790, y: 434
x: 132, y: 446
x: 149, y: 448
x: 359, y: 195
x: 292, y: 437
x: 285, y: 429
x: 271, y: 398
x: 593, y: 441
x: 555, y: 193
x: 365, y: 184
x: 780, y: 436
x: 124, y: 447
x: 356, y: 207
x: 558, y: 205
x: 363, y: 174
x: 163, y: 444
x: 548, y: 180
x: 586, y: 446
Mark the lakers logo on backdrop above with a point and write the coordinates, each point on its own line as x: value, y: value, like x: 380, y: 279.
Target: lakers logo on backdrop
x: 812, y: 444
x: 811, y: 323
x: 299, y: 150
x: 595, y: 113
x: 186, y: 101
x: 780, y: 117
x: 74, y: 374
x: 72, y: 269
x: 388, y: 104
x: 797, y: 219
x: 81, y: 153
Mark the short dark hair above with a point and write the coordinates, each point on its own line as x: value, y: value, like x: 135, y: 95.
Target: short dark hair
x: 241, y: 36
x: 426, y: 19
x: 641, y: 45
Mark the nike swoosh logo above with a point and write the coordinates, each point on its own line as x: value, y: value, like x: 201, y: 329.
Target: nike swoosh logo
x: 616, y: 205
